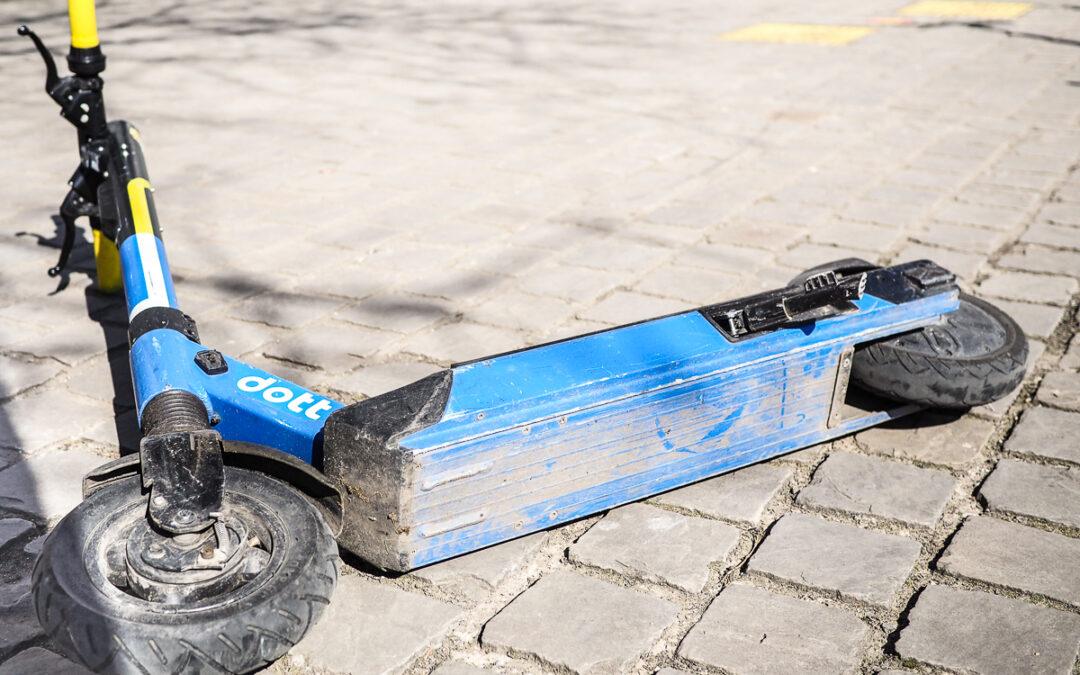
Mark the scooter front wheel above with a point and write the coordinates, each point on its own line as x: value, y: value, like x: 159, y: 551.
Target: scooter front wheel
x: 121, y: 597
x: 974, y: 356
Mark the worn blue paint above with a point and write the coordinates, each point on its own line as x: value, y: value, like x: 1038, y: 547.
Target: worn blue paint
x: 547, y: 435
x: 253, y: 405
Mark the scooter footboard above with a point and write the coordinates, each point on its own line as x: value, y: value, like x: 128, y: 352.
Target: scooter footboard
x: 504, y: 446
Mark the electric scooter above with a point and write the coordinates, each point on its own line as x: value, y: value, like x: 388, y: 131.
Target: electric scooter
x: 215, y: 547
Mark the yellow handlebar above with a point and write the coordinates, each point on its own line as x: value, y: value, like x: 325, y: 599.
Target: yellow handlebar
x: 83, y: 24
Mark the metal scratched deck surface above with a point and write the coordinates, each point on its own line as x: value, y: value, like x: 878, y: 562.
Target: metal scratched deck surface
x: 547, y: 435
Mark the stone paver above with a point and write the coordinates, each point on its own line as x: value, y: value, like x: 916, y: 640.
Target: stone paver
x: 38, y: 660
x: 13, y: 528
x: 1019, y: 557
x: 462, y: 341
x: 978, y: 632
x: 602, y: 628
x: 1045, y: 492
x: 1046, y: 432
x: 329, y: 345
x: 459, y: 668
x: 476, y: 575
x: 1038, y: 288
x: 19, y: 375
x: 18, y: 624
x: 1035, y: 258
x: 47, y: 485
x: 741, y: 496
x: 1061, y: 390
x: 286, y: 310
x: 396, y: 626
x: 1071, y: 360
x: 1037, y: 321
x: 930, y: 437
x: 857, y: 563
x: 645, y: 541
x: 48, y: 417
x: 750, y: 630
x: 858, y: 484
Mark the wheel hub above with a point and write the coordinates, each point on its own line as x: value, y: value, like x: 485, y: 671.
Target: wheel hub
x: 194, y: 566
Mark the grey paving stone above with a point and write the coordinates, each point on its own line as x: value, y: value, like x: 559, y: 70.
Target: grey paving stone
x: 964, y: 265
x: 1049, y: 234
x: 1035, y: 258
x: 13, y: 593
x: 462, y: 341
x: 521, y: 311
x: 1046, y: 432
x: 401, y: 312
x: 569, y: 282
x: 1063, y: 213
x: 859, y: 484
x: 972, y: 631
x: 930, y: 437
x: 1071, y: 360
x: 69, y: 343
x: 18, y: 375
x: 857, y: 563
x: 655, y: 544
x: 983, y: 215
x: 34, y: 546
x: 330, y: 345
x: 287, y: 310
x: 95, y: 379
x: 47, y: 485
x: 602, y: 628
x: 1060, y: 389
x: 12, y: 528
x: 961, y: 237
x: 38, y: 660
x: 18, y: 624
x: 460, y: 668
x: 740, y: 496
x: 234, y: 337
x: 1046, y: 492
x: 378, y: 378
x: 1037, y: 321
x: 750, y: 630
x: 1037, y: 288
x: 48, y: 417
x: 374, y: 628
x: 1016, y: 556
x: 625, y: 307
x: 475, y: 575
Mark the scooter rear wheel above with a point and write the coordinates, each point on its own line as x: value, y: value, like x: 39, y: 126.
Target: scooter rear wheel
x: 95, y: 595
x: 975, y: 356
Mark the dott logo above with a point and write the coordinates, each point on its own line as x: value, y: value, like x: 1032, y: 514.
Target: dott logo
x: 279, y: 394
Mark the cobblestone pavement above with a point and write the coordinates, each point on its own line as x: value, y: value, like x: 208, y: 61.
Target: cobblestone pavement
x: 356, y: 194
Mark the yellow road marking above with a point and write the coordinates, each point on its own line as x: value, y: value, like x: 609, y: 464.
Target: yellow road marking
x: 798, y: 33
x: 967, y: 9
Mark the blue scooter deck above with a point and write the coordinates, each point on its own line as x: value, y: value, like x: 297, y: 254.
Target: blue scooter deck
x: 500, y: 447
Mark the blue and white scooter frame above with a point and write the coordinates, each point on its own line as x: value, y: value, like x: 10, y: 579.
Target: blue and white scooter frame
x: 504, y: 446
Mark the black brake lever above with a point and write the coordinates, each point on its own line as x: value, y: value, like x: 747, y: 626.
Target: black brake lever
x: 52, y: 77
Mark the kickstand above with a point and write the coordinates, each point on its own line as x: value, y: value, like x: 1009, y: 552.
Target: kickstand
x: 72, y: 207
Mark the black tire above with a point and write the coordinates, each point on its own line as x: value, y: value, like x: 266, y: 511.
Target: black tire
x: 843, y: 267
x: 975, y: 356
x: 109, y: 630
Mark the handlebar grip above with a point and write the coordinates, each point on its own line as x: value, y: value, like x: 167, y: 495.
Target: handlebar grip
x: 83, y: 22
